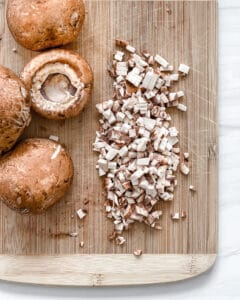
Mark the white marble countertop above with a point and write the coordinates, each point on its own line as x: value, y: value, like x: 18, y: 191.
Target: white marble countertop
x: 223, y: 280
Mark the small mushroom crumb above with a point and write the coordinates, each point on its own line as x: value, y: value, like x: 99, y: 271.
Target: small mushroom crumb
x: 73, y: 234
x: 183, y: 214
x: 120, y: 240
x: 81, y: 244
x: 86, y: 201
x: 14, y: 50
x: 184, y: 169
x: 137, y: 252
x: 186, y: 155
x: 192, y: 188
x: 175, y: 216
x: 81, y: 213
x: 137, y: 141
x: 54, y: 138
x: 168, y: 10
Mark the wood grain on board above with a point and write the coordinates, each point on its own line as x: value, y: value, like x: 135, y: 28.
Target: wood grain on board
x: 182, y: 32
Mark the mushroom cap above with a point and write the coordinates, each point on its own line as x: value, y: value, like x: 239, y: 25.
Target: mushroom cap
x: 35, y: 175
x: 60, y: 83
x: 38, y: 25
x: 14, y: 109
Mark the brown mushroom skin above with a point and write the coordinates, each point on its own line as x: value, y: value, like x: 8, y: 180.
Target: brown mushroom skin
x: 14, y: 109
x: 35, y: 175
x: 77, y: 63
x: 43, y: 24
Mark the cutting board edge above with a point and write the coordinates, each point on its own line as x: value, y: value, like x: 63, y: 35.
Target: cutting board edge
x: 103, y: 269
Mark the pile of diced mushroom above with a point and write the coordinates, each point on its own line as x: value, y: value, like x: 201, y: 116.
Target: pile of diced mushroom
x: 137, y: 145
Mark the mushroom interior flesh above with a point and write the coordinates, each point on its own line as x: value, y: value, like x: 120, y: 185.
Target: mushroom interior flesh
x: 56, y: 87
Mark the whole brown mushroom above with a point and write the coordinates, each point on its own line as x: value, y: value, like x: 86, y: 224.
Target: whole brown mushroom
x: 42, y: 24
x: 60, y: 83
x: 35, y: 175
x: 14, y: 109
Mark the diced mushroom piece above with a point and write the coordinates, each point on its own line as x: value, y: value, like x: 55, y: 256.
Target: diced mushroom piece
x: 139, y: 61
x: 175, y: 216
x: 137, y: 252
x: 123, y: 151
x: 121, y: 43
x: 134, y: 78
x: 120, y: 240
x: 112, y: 165
x: 111, y: 153
x: 141, y: 211
x: 156, y: 214
x: 54, y: 138
x: 149, y: 123
x: 174, y: 77
x: 169, y: 68
x: 183, y: 214
x: 101, y: 172
x: 180, y: 94
x: 103, y: 164
x: 136, y: 175
x: 184, y: 169
x: 150, y: 80
x: 164, y: 98
x: 121, y: 69
x: 192, y: 188
x: 186, y: 155
x: 182, y: 107
x: 159, y: 83
x: 120, y: 116
x: 119, y: 55
x: 143, y: 161
x: 81, y: 213
x: 73, y: 234
x: 150, y: 94
x: 143, y: 107
x: 161, y: 61
x: 130, y: 49
x: 184, y: 69
x: 166, y: 196
x: 172, y: 96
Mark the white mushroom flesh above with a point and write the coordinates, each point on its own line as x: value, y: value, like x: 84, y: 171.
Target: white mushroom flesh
x: 56, y: 87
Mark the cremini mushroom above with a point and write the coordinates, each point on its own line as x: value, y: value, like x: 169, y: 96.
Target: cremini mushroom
x: 35, y: 175
x: 60, y: 83
x: 38, y: 25
x: 14, y: 109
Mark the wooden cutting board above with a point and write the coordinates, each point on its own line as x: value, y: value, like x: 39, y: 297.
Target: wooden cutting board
x: 38, y: 249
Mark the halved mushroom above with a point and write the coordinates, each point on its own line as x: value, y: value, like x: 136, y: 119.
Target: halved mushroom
x: 60, y: 83
x: 39, y: 25
x: 14, y: 109
x: 35, y: 175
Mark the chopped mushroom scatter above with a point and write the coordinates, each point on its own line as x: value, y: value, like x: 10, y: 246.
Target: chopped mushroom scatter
x: 137, y: 143
x: 137, y: 252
